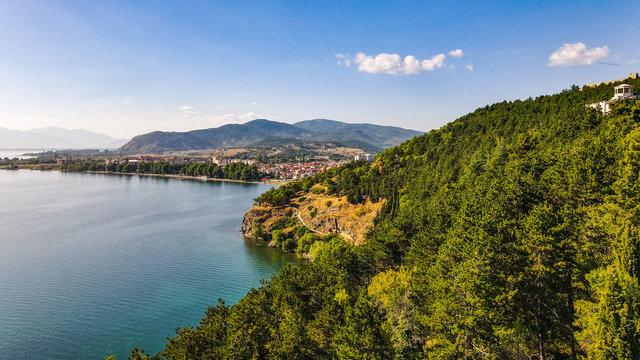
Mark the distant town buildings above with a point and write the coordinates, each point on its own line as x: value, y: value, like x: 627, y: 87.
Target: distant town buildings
x: 223, y: 160
x: 153, y: 158
x: 288, y: 171
x: 296, y: 171
x: 220, y: 160
x: 623, y: 91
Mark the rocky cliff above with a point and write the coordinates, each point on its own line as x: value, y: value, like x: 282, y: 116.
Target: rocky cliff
x: 265, y: 216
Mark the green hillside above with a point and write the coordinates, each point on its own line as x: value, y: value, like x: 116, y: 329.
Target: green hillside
x: 510, y: 233
x: 226, y: 136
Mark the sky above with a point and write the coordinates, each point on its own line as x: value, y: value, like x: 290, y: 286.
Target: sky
x: 124, y: 68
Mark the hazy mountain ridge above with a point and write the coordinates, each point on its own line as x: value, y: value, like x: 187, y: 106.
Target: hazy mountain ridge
x: 56, y: 138
x: 365, y: 136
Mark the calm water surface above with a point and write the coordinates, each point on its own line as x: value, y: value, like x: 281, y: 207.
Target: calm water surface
x: 94, y: 265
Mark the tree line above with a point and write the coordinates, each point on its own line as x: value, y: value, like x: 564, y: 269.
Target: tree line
x: 233, y: 171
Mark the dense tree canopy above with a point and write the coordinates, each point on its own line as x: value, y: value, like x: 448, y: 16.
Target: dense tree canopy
x: 511, y: 233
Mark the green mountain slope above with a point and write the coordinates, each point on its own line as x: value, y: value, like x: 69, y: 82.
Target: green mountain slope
x: 230, y: 135
x: 510, y: 233
x: 363, y: 136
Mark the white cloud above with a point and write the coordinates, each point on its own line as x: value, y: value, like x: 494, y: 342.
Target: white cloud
x: 393, y: 64
x: 433, y: 63
x: 469, y: 67
x: 577, y: 54
x: 457, y: 53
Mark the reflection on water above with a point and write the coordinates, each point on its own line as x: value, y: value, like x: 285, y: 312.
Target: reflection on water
x: 269, y: 255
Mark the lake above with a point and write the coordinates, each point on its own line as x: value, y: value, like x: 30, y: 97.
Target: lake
x: 13, y: 153
x: 93, y: 265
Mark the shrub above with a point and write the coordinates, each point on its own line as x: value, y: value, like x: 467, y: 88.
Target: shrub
x: 315, y: 249
x: 292, y: 221
x: 279, y: 225
x: 277, y: 236
x: 363, y: 211
x: 289, y: 245
x: 305, y: 242
x: 258, y: 232
x: 300, y: 230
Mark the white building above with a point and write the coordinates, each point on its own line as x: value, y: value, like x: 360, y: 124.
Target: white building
x: 623, y: 91
x: 366, y: 157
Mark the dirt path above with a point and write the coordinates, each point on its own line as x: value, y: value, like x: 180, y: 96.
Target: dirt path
x: 309, y: 227
x: 344, y: 235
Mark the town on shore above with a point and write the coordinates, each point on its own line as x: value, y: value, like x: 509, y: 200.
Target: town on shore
x: 285, y: 171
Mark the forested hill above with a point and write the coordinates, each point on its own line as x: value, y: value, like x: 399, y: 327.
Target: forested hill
x: 381, y: 136
x: 365, y: 136
x: 510, y: 233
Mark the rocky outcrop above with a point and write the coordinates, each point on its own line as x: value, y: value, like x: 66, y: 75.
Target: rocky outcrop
x: 322, y: 214
x: 265, y: 216
x: 336, y: 215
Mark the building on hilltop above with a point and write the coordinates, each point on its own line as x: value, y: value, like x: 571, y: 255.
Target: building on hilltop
x: 623, y: 91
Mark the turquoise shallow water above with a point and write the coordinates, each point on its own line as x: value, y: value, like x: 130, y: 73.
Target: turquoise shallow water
x: 94, y: 265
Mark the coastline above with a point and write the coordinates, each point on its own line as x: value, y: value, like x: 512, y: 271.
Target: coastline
x: 169, y: 176
x: 187, y: 177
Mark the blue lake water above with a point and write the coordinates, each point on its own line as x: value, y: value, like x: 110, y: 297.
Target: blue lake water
x: 94, y: 265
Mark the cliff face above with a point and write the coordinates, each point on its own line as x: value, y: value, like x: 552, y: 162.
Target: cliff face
x: 323, y: 214
x: 265, y: 216
x: 335, y: 215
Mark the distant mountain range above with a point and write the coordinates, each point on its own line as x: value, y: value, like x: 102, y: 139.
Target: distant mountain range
x: 56, y: 138
x: 261, y: 132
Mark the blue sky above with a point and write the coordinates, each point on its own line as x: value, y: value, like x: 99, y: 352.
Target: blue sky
x: 129, y: 67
